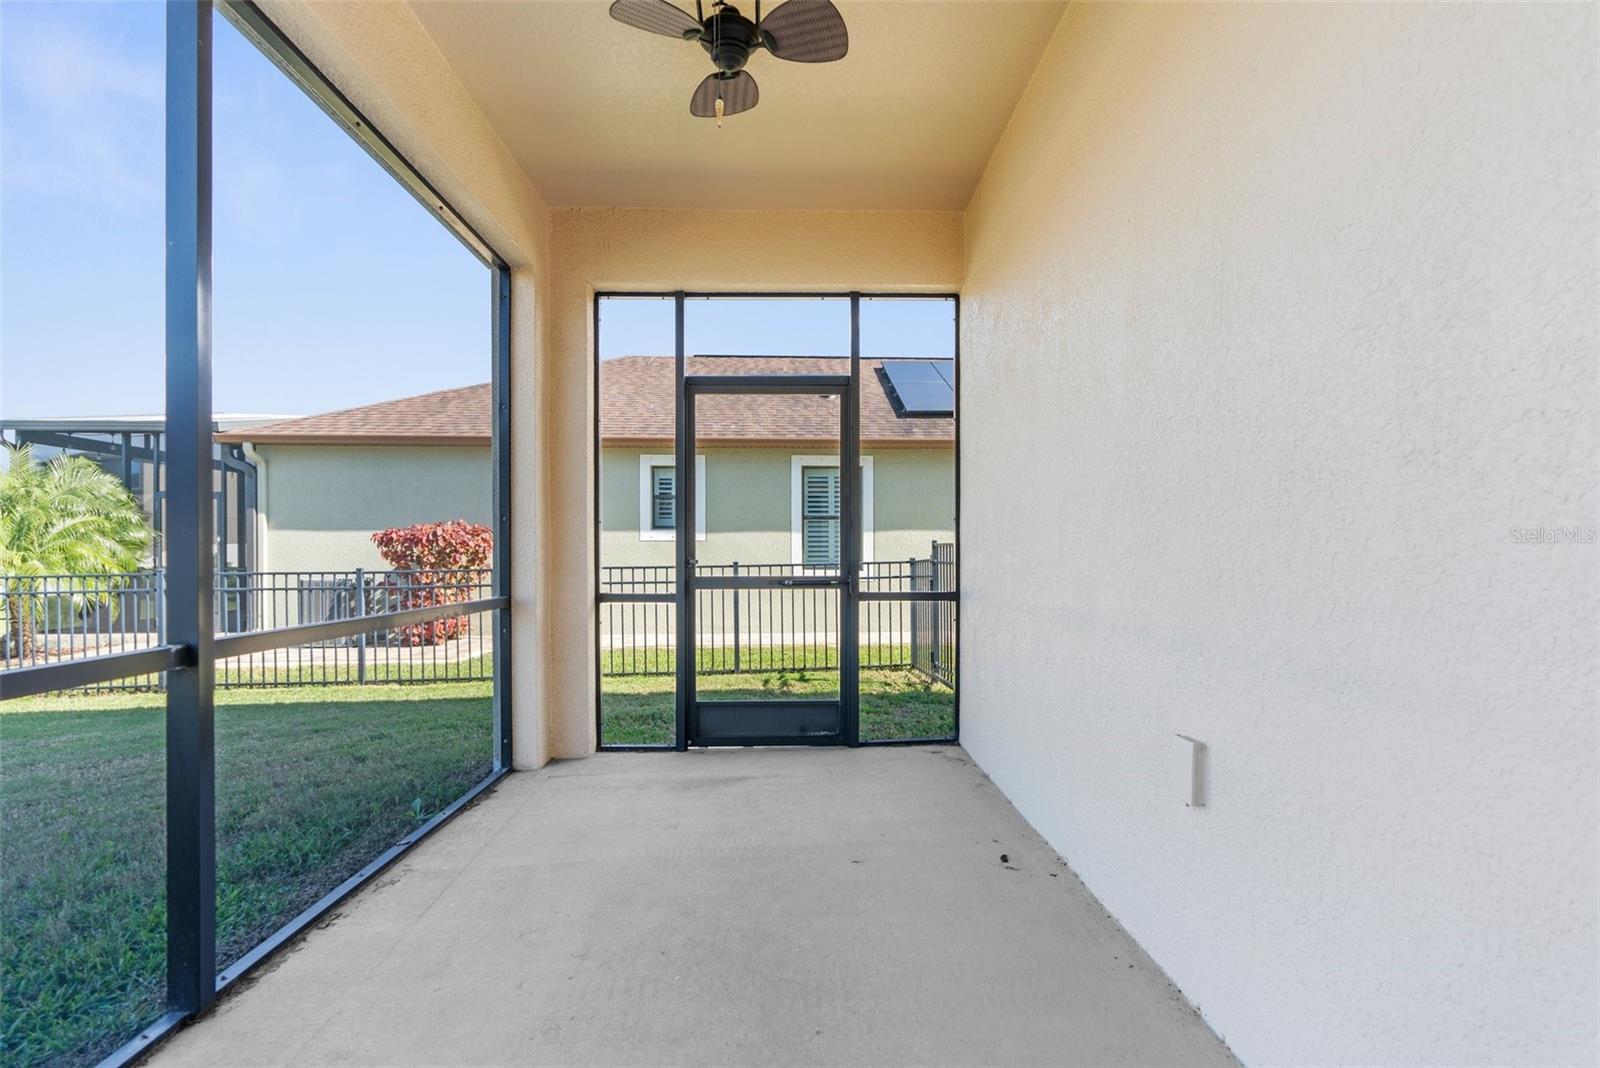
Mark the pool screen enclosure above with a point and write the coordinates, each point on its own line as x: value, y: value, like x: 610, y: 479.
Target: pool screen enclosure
x: 190, y: 645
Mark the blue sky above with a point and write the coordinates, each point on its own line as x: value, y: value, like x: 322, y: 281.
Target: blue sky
x: 332, y: 287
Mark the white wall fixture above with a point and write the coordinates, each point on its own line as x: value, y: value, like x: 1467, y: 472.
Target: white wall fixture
x: 1189, y: 770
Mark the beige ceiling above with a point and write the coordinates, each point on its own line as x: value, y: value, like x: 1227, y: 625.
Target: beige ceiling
x: 598, y: 112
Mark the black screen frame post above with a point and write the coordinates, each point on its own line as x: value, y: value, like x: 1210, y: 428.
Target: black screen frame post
x: 500, y: 447
x: 683, y: 534
x: 189, y: 647
x: 850, y: 543
x: 190, y: 513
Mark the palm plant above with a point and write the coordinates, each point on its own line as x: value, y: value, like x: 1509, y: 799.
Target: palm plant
x: 63, y: 517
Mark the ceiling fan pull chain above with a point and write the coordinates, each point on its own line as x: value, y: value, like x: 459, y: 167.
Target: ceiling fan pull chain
x: 716, y: 39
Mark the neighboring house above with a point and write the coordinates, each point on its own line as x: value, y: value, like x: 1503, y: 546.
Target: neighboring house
x: 326, y: 483
x: 767, y: 465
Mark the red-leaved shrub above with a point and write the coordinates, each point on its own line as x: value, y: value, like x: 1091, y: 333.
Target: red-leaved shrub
x: 437, y: 563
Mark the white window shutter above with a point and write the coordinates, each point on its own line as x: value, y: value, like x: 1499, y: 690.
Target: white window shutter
x: 663, y: 496
x: 819, y: 525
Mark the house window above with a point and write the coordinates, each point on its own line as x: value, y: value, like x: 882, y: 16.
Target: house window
x: 815, y: 527
x: 658, y: 497
x: 819, y: 516
x: 663, y: 513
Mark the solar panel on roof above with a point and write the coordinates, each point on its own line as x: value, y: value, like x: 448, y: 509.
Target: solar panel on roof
x: 920, y: 387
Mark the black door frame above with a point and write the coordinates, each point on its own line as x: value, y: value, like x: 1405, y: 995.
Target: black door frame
x: 770, y: 722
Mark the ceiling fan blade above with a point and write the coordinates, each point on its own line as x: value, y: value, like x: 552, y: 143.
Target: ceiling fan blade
x: 656, y: 16
x: 739, y: 93
x: 806, y: 31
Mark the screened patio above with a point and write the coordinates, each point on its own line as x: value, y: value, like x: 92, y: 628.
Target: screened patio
x: 1168, y: 636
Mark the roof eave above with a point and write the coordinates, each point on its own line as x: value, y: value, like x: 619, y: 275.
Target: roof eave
x: 243, y: 437
x: 776, y: 443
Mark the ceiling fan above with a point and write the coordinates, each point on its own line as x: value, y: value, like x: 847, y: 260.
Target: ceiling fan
x: 802, y: 31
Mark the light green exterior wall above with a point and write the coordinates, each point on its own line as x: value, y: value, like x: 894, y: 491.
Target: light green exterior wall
x: 324, y: 502
x: 749, y: 506
x: 914, y: 501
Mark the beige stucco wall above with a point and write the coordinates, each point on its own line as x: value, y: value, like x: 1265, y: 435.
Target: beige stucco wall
x: 382, y: 58
x: 320, y: 504
x: 749, y: 506
x: 1296, y: 302
x: 1278, y: 321
x: 601, y: 249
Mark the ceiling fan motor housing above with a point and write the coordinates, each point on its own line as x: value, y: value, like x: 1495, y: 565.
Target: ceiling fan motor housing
x: 729, y: 38
x: 800, y: 31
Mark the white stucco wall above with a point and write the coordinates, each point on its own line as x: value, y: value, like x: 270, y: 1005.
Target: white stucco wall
x: 1300, y: 304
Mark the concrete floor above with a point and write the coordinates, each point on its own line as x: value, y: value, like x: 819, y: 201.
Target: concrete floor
x: 746, y: 907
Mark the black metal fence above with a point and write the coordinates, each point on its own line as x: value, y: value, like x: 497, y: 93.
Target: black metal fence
x: 759, y: 630
x: 54, y: 618
x: 933, y: 623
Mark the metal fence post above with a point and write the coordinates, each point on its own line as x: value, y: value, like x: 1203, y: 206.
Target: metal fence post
x: 736, y: 622
x: 361, y: 639
x: 161, y: 618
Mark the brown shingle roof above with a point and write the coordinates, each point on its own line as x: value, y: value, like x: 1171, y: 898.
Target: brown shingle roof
x: 636, y: 405
x: 448, y: 417
x: 636, y: 409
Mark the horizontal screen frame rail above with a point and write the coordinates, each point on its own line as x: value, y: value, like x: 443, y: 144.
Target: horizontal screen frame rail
x: 907, y: 595
x: 92, y: 670
x: 767, y: 582
x: 802, y: 385
x: 232, y: 645
x: 773, y: 707
x: 89, y: 671
x: 767, y: 740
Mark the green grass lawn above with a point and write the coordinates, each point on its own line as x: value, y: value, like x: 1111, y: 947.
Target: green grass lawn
x: 312, y: 783
x: 895, y: 703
